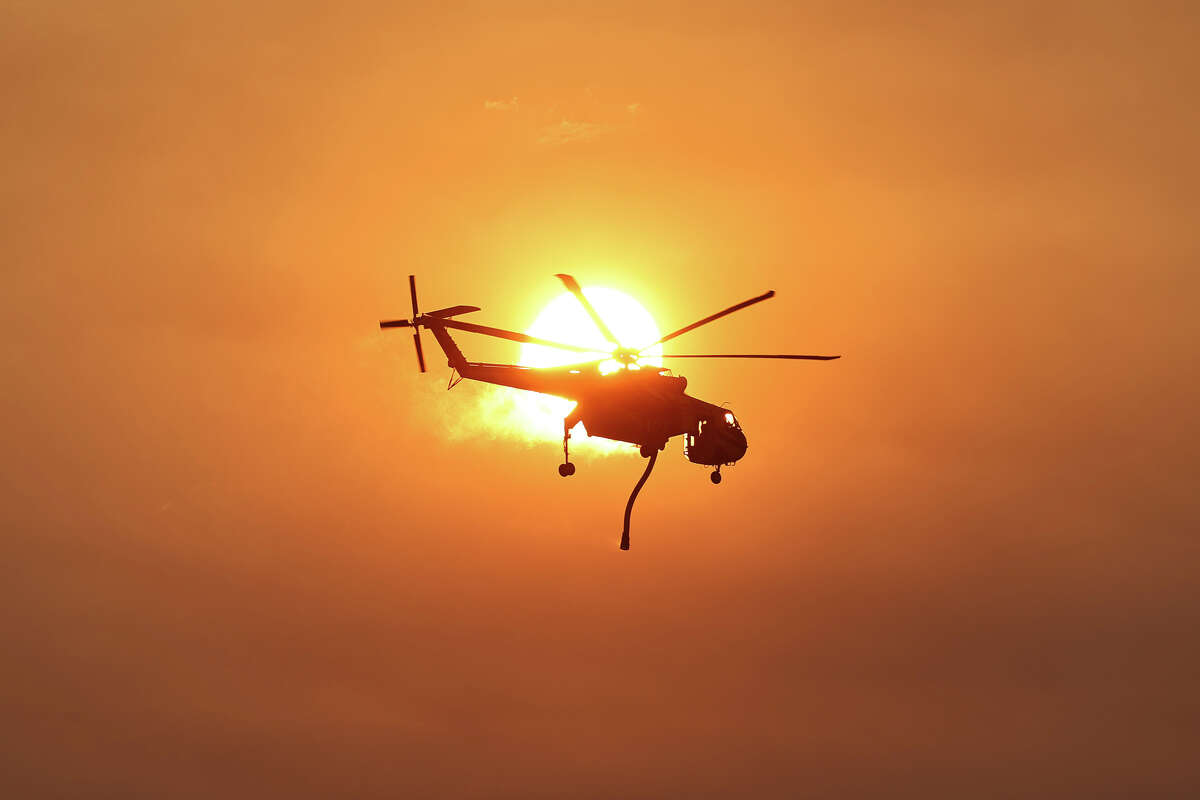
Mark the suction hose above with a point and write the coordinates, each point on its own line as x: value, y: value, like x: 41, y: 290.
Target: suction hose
x: 632, y: 497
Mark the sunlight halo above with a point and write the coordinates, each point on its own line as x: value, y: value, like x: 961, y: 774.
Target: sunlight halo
x: 564, y: 320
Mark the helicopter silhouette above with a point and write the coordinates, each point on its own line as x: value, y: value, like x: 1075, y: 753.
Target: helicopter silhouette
x: 641, y: 405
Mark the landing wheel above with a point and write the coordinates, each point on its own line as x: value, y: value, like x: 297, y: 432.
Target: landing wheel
x: 715, y: 476
x: 647, y: 450
x: 566, y: 469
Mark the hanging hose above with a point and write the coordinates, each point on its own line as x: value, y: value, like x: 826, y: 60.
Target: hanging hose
x: 632, y: 497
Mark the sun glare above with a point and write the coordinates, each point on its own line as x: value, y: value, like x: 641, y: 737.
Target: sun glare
x: 564, y: 320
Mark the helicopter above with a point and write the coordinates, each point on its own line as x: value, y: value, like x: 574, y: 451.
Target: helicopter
x: 639, y: 404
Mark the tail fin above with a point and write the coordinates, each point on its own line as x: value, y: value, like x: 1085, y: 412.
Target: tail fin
x: 454, y: 356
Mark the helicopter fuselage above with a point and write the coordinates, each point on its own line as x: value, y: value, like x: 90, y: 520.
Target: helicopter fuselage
x: 645, y: 406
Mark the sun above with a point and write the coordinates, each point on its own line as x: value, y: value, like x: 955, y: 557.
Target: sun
x: 564, y: 320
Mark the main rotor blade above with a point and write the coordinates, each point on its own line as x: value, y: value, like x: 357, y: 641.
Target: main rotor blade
x: 573, y: 287
x: 512, y: 336
x: 750, y: 355
x: 578, y: 366
x: 412, y: 290
x: 420, y: 354
x: 711, y: 318
x: 394, y: 323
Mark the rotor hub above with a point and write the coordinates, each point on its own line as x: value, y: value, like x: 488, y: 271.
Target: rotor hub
x: 625, y: 356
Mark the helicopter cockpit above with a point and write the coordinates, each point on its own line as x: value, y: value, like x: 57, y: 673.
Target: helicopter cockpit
x: 716, y: 441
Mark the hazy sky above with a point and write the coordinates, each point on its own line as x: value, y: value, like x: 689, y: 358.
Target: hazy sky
x: 249, y: 551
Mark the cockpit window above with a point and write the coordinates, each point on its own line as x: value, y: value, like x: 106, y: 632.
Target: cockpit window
x: 733, y: 423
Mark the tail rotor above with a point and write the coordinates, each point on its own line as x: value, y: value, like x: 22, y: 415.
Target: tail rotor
x: 410, y: 323
x: 417, y: 345
x: 412, y: 290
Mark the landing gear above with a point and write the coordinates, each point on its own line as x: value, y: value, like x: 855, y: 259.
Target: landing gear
x: 715, y: 476
x: 566, y: 469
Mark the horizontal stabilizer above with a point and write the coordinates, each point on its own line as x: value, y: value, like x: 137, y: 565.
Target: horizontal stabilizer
x: 452, y: 311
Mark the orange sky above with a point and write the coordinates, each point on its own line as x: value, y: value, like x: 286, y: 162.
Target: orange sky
x: 248, y: 554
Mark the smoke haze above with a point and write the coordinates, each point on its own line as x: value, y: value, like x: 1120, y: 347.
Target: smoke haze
x: 246, y: 554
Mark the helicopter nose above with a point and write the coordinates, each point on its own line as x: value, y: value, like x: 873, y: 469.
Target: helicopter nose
x: 735, y: 446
